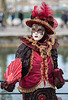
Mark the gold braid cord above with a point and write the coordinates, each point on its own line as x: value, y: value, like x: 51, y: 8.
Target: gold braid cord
x: 35, y: 87
x: 31, y: 62
x: 41, y: 22
x: 41, y: 49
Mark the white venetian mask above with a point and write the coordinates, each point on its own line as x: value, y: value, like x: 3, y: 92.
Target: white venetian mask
x: 37, y: 36
x: 38, y: 32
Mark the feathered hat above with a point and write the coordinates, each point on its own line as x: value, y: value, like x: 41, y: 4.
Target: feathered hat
x: 44, y: 16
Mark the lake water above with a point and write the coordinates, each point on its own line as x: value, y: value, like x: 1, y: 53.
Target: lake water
x: 8, y: 54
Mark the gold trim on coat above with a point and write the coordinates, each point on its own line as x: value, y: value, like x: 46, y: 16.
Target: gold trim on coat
x: 35, y: 87
x: 31, y: 60
x: 48, y: 53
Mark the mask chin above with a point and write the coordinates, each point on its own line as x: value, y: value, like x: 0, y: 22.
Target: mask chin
x: 38, y: 36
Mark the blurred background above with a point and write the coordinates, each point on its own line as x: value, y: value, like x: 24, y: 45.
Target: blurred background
x: 12, y: 25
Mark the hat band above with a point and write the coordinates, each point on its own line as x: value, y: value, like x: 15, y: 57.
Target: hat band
x: 49, y: 20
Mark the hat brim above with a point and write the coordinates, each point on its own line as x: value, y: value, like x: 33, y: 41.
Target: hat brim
x: 30, y: 22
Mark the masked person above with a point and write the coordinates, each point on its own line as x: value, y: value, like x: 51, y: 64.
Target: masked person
x: 38, y: 53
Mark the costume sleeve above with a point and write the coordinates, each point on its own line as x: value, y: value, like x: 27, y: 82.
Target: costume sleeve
x: 24, y: 53
x: 19, y: 54
x: 57, y: 73
x: 7, y: 87
x: 21, y: 51
x: 54, y: 55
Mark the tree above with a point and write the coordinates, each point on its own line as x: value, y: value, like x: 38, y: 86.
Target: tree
x: 3, y: 8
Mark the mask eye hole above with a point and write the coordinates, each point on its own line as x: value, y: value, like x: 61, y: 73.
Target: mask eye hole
x: 33, y: 29
x: 39, y: 30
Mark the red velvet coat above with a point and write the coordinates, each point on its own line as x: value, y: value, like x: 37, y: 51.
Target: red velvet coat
x: 41, y: 65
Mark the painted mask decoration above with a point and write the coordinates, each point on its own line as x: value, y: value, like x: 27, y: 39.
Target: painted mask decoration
x: 38, y: 32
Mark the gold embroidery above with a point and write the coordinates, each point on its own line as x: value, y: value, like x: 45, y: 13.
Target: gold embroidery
x: 31, y: 89
x: 46, y: 73
x: 42, y: 22
x: 42, y: 48
x: 53, y: 41
x: 49, y: 49
x: 38, y: 85
x: 46, y: 68
x: 31, y: 62
x: 34, y: 43
x: 42, y: 70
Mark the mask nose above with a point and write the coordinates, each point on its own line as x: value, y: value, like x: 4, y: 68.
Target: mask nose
x: 36, y: 33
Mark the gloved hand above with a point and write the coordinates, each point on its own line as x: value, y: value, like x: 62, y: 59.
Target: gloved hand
x: 58, y: 78
x: 7, y: 87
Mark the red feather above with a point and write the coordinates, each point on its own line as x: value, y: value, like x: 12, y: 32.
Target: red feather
x: 13, y: 72
x: 35, y: 11
x: 45, y: 13
x: 45, y: 10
